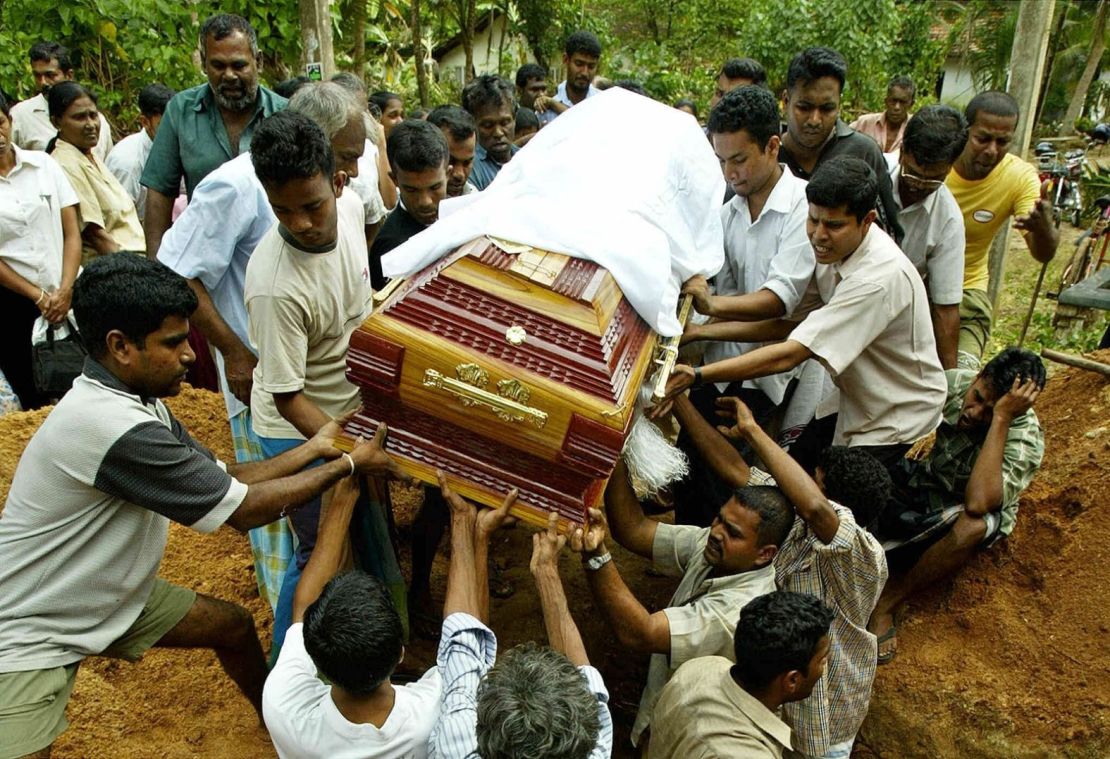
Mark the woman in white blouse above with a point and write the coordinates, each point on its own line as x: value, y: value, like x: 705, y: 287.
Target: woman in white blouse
x: 106, y: 213
x: 40, y: 252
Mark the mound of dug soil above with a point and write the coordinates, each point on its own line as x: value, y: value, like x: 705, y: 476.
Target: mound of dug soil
x: 1012, y: 658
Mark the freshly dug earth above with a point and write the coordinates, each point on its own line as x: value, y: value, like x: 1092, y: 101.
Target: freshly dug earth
x: 1009, y: 660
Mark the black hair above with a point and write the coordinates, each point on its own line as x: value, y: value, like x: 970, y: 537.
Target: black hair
x: 61, y: 96
x: 290, y: 145
x: 153, y: 99
x: 47, y: 51
x: 287, y: 88
x: 751, y: 108
x: 526, y: 119
x: 223, y: 25
x: 353, y: 633
x: 814, y: 63
x: 744, y: 68
x: 844, y: 181
x: 904, y: 82
x: 420, y: 114
x: 778, y: 632
x: 416, y: 145
x: 687, y: 103
x: 857, y: 480
x: 5, y: 106
x: 632, y: 86
x: 1012, y: 364
x: 583, y: 42
x: 776, y: 515
x: 528, y: 72
x: 455, y: 120
x: 994, y: 102
x: 486, y: 91
x: 382, y: 99
x: 127, y: 292
x: 935, y: 134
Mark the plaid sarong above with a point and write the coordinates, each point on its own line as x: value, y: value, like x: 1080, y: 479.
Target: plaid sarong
x: 271, y: 544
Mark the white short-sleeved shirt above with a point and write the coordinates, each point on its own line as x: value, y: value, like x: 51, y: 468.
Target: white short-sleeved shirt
x: 126, y: 162
x: 934, y: 242
x: 868, y: 323
x: 302, y: 308
x: 32, y: 197
x: 32, y: 130
x: 365, y: 184
x: 304, y: 722
x: 773, y: 253
x: 212, y: 242
x: 702, y: 613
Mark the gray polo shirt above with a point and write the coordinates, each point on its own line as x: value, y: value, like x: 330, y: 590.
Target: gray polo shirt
x: 85, y: 524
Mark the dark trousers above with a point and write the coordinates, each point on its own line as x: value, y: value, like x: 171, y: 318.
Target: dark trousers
x: 699, y: 495
x: 15, y: 347
x: 818, y: 435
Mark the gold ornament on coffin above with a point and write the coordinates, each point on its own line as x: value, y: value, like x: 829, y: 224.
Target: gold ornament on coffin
x: 508, y: 404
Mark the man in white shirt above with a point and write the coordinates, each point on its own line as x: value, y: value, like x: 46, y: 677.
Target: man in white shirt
x: 931, y: 217
x: 345, y: 628
x: 866, y: 319
x: 31, y: 126
x: 128, y: 157
x: 768, y: 265
x: 581, y: 55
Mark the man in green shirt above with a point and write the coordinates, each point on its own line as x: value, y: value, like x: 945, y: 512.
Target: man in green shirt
x: 964, y: 493
x: 206, y: 125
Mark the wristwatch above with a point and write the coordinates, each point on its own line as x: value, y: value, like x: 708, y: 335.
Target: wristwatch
x: 595, y: 563
x: 697, y: 376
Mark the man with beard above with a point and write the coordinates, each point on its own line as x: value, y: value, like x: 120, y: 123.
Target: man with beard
x: 31, y: 127
x: 206, y: 125
x: 889, y: 126
x: 580, y: 57
x: 815, y: 133
x: 461, y: 133
x: 489, y: 99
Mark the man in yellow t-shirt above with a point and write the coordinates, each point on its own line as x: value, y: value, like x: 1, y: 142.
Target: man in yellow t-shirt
x: 991, y: 185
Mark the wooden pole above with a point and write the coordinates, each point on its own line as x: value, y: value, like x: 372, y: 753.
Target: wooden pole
x: 1077, y: 361
x: 316, y: 37
x: 1027, y: 60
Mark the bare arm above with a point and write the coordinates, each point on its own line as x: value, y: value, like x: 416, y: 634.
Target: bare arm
x: 798, y: 487
x: 331, y: 545
x: 99, y: 239
x: 299, y: 411
x: 156, y: 219
x: 761, y: 362
x: 386, y: 188
x: 1040, y: 232
x: 984, y: 487
x: 239, y: 362
x: 630, y: 527
x: 946, y: 328
x: 739, y: 332
x: 562, y: 632
x: 721, y: 456
x: 755, y: 306
x: 635, y: 627
x: 463, y: 589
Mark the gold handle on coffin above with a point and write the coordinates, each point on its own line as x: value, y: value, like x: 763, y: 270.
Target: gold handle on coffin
x: 668, y: 351
x: 507, y: 403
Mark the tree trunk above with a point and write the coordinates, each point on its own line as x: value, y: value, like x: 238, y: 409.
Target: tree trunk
x: 1098, y: 47
x: 358, y: 28
x: 467, y: 22
x: 316, y: 41
x: 418, y: 56
x: 1053, y: 49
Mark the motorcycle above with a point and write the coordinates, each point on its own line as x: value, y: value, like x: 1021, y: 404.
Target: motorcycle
x: 1067, y: 198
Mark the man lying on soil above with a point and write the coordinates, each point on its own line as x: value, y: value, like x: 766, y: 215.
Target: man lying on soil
x: 87, y: 517
x: 828, y: 553
x: 722, y: 568
x: 346, y: 628
x: 964, y: 493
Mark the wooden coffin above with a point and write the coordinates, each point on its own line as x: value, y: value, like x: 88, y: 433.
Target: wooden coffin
x: 506, y: 367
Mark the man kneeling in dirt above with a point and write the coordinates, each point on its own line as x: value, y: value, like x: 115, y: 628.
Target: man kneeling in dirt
x: 87, y: 517
x: 964, y: 493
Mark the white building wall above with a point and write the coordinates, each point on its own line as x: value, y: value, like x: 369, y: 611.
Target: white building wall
x: 487, y: 46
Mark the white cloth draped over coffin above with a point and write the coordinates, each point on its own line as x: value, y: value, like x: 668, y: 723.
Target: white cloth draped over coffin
x: 620, y: 180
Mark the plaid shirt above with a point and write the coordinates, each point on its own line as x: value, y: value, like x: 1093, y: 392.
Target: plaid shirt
x: 467, y: 649
x: 943, y: 475
x: 848, y: 574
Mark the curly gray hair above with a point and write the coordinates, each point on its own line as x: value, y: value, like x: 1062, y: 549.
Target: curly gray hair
x: 535, y: 703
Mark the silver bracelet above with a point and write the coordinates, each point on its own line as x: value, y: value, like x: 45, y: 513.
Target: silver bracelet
x: 595, y: 563
x: 349, y: 461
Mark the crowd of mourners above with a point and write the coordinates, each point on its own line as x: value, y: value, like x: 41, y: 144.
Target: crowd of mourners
x: 849, y: 443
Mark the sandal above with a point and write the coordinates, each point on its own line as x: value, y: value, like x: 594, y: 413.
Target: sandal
x: 890, y: 637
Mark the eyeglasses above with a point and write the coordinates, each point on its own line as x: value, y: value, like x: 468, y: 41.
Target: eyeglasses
x: 914, y: 182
